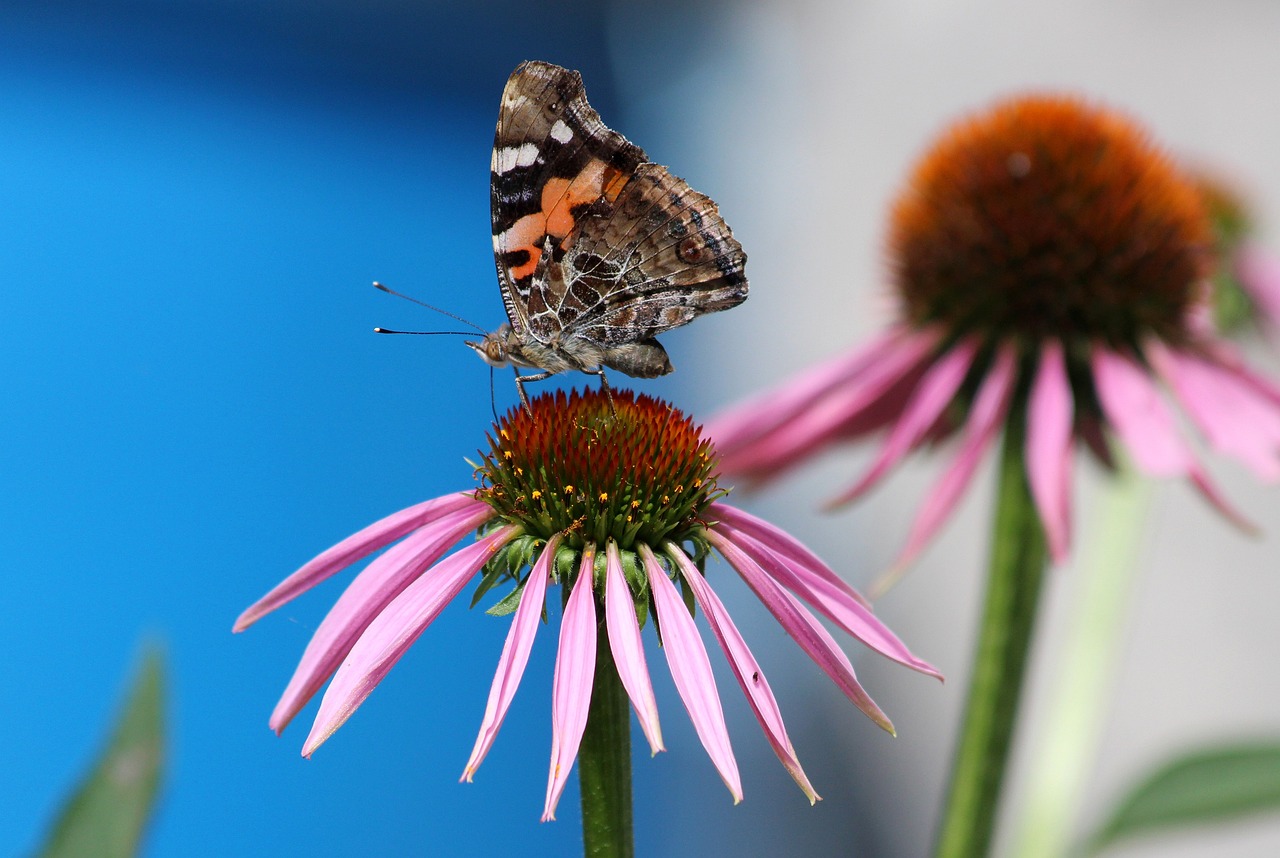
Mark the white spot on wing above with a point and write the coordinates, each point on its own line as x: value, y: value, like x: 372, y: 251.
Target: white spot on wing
x: 509, y: 158
x: 560, y: 132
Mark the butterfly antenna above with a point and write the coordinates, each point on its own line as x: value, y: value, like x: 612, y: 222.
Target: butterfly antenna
x: 423, y: 333
x: 453, y: 316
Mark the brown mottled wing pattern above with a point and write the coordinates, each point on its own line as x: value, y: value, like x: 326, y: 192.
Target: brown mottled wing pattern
x: 554, y: 165
x: 661, y: 257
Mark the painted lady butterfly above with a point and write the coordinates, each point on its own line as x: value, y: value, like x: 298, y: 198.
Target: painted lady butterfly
x: 598, y: 250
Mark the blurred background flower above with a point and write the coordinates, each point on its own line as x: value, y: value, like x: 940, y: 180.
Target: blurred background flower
x: 196, y: 197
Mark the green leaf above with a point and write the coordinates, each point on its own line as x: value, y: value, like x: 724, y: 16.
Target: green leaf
x: 107, y: 814
x: 1204, y: 786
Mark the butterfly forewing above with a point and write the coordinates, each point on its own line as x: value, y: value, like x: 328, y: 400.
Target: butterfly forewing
x: 597, y: 249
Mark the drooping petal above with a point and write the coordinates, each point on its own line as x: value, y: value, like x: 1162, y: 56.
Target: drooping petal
x: 1234, y: 417
x: 371, y: 591
x: 765, y: 411
x: 1147, y: 427
x: 627, y: 649
x: 932, y: 394
x: 822, y: 420
x: 353, y: 548
x: 1050, y: 414
x: 571, y: 687
x: 785, y: 546
x: 745, y: 668
x: 803, y: 627
x: 515, y: 655
x: 395, y: 629
x: 850, y: 615
x: 691, y: 671
x: 985, y: 418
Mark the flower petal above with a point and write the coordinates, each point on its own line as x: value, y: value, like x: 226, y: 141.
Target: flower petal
x: 395, y: 629
x: 571, y: 688
x: 985, y: 418
x: 932, y: 394
x: 850, y: 615
x: 515, y: 655
x: 691, y: 671
x: 351, y: 549
x: 1050, y: 412
x: 1259, y: 272
x: 371, y: 591
x: 803, y: 431
x: 1145, y: 424
x: 1233, y: 416
x: 767, y: 410
x: 801, y: 625
x: 745, y: 668
x: 627, y: 649
x: 785, y: 546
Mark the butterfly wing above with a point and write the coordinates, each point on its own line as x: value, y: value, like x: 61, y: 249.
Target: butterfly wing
x: 660, y: 257
x: 554, y: 164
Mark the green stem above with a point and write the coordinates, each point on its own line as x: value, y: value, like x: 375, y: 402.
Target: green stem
x: 1068, y: 745
x: 1018, y: 560
x: 604, y: 763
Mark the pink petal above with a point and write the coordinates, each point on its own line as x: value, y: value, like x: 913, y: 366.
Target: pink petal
x: 353, y: 548
x: 785, y: 546
x: 1259, y: 272
x: 806, y: 430
x: 515, y: 655
x: 571, y: 688
x: 362, y: 601
x: 985, y: 418
x: 394, y: 631
x: 1233, y: 416
x: 934, y: 392
x: 745, y: 668
x: 1147, y: 427
x: 1050, y: 413
x: 801, y: 625
x: 764, y: 412
x: 850, y: 615
x: 627, y: 649
x: 691, y: 670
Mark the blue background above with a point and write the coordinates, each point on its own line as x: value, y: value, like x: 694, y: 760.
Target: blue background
x: 194, y: 198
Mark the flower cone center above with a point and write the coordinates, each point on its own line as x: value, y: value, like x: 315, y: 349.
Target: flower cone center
x: 636, y: 472
x: 1050, y: 218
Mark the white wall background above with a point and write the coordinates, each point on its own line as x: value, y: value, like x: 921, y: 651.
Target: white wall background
x: 801, y: 118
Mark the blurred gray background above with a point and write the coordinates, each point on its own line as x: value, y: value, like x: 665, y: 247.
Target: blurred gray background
x: 801, y: 118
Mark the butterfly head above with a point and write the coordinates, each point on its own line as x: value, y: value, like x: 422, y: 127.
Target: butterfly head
x: 496, y: 347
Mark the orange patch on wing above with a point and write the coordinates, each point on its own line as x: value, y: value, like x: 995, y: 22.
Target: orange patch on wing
x: 614, y: 181
x: 526, y: 234
x: 560, y: 195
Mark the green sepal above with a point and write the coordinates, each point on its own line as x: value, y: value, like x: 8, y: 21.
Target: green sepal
x: 508, y: 604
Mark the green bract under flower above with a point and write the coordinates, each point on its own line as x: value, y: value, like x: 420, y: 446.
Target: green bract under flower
x: 635, y: 471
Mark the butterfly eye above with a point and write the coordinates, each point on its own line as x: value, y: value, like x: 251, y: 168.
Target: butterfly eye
x: 691, y: 250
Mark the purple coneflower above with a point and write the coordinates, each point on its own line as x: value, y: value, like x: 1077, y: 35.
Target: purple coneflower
x: 618, y: 504
x: 1052, y: 268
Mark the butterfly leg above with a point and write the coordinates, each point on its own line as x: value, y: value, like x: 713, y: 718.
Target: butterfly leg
x: 604, y: 385
x: 521, y: 379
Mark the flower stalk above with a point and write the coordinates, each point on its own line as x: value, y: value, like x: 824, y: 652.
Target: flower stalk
x: 604, y: 763
x: 1019, y: 555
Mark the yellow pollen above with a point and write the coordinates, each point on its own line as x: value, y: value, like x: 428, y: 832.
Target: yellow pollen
x: 537, y: 495
x: 666, y: 498
x: 635, y: 504
x: 604, y: 496
x: 568, y: 489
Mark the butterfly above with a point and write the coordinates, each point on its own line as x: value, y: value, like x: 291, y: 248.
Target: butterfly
x: 598, y: 249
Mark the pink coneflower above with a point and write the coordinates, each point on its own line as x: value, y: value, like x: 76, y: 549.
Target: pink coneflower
x: 1051, y: 265
x: 618, y: 504
x: 1246, y: 276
